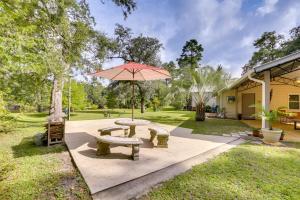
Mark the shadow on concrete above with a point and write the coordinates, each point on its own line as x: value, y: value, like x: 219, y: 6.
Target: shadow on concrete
x: 81, y: 138
x: 187, y: 133
x: 146, y: 143
x: 91, y: 153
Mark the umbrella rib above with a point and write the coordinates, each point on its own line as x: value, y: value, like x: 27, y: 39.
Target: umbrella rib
x: 117, y: 74
x: 142, y: 74
x: 160, y: 72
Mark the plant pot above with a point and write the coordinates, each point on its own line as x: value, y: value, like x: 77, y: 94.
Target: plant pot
x: 239, y: 116
x: 271, y: 136
x: 256, y: 133
x: 282, y: 136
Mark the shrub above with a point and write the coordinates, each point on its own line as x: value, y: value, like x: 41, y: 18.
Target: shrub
x: 7, y: 121
x: 208, y: 109
x: 155, y: 104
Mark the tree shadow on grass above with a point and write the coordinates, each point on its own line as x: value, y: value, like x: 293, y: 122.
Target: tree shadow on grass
x: 27, y: 147
x: 214, y: 126
x: 164, y: 120
x: 37, y: 115
x: 101, y: 111
x: 29, y: 123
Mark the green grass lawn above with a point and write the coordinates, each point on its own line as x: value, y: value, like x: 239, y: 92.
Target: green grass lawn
x: 31, y: 172
x: 183, y: 119
x: 245, y: 172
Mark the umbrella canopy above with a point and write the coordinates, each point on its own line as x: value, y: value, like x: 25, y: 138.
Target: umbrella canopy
x: 132, y: 71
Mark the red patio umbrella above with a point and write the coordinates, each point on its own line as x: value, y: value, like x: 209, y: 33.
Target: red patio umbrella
x: 133, y: 72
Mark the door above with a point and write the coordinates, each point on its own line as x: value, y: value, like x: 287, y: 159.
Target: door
x: 248, y: 100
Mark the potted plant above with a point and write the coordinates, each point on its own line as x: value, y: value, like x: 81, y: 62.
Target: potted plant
x: 271, y: 135
x: 256, y: 132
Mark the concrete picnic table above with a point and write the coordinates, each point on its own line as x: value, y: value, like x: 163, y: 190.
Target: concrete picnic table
x: 132, y: 124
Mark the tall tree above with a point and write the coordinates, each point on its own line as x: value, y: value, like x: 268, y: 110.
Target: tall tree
x: 206, y: 82
x: 50, y: 37
x: 22, y: 55
x: 191, y: 54
x: 268, y: 49
x: 95, y: 93
x: 140, y: 49
x: 79, y: 99
x: 188, y: 62
x: 172, y: 68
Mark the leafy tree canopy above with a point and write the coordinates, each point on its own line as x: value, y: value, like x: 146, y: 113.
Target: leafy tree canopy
x: 191, y: 54
x: 271, y: 46
x: 139, y: 49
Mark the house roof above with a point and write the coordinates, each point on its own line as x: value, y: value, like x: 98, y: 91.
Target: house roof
x: 280, y: 63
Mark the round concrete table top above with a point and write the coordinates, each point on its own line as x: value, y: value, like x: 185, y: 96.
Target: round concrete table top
x: 130, y: 122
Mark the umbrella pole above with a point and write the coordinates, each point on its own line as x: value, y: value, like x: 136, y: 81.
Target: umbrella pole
x: 132, y: 106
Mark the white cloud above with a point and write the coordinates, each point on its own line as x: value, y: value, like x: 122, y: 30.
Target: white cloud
x: 247, y: 41
x: 213, y: 19
x: 226, y: 28
x: 289, y: 20
x: 268, y: 7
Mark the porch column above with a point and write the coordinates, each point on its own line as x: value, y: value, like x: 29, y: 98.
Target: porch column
x: 266, y: 96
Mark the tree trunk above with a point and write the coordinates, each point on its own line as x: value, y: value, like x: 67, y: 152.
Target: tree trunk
x: 142, y: 105
x: 56, y: 114
x: 200, y: 112
x: 39, y: 101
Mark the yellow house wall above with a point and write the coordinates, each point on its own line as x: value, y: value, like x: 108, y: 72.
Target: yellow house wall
x: 256, y: 90
x: 280, y: 98
x: 230, y: 108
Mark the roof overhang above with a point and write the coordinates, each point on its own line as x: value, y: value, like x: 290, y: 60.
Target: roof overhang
x: 278, y: 67
x: 281, y: 62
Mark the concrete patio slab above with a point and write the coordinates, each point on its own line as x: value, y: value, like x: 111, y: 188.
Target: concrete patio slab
x: 106, y: 172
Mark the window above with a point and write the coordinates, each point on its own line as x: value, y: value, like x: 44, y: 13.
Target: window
x: 230, y: 99
x: 294, y: 101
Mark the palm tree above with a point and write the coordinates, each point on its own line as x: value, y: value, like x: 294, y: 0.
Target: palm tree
x: 206, y: 83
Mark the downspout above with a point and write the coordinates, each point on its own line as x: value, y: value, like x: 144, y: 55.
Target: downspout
x: 263, y: 86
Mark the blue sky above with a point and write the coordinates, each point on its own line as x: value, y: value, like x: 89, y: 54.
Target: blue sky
x: 225, y: 28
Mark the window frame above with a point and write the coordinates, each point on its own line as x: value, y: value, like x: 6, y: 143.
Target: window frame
x: 295, y: 109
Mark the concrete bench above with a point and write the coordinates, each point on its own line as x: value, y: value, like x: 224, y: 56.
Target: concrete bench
x: 162, y: 136
x: 108, y: 130
x: 104, y: 142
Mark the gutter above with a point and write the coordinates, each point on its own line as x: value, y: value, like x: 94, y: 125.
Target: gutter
x: 256, y: 80
x: 237, y: 82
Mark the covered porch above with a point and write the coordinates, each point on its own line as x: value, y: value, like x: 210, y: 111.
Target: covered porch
x: 272, y: 85
x: 291, y: 135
